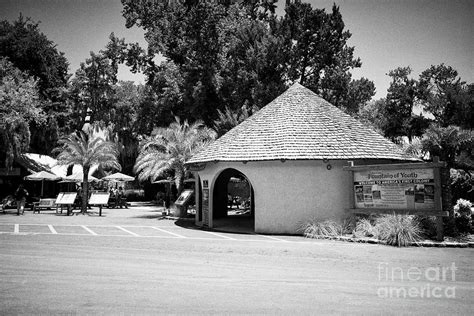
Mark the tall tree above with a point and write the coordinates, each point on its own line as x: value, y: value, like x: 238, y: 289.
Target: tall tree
x: 19, y: 107
x: 243, y: 55
x: 319, y: 57
x: 402, y: 97
x: 32, y: 52
x: 446, y: 96
x: 252, y: 60
x: 86, y: 150
x: 93, y: 88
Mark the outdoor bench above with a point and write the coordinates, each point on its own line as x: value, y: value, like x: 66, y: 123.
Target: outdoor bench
x: 44, y: 204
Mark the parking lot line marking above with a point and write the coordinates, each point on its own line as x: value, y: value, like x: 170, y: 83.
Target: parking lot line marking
x: 165, y: 231
x: 127, y: 231
x: 89, y: 230
x: 51, y: 228
x: 218, y: 235
x: 270, y: 237
x: 16, y: 230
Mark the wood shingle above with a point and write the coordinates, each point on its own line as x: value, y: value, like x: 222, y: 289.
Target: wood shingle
x: 300, y: 125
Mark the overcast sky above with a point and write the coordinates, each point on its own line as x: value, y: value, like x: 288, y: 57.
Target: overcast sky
x: 386, y: 34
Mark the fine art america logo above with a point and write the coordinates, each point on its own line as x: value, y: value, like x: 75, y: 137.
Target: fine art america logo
x: 431, y: 282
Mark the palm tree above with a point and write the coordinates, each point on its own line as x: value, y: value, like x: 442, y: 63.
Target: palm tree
x: 451, y: 144
x: 167, y: 150
x: 87, y: 149
x: 454, y: 146
x: 228, y: 118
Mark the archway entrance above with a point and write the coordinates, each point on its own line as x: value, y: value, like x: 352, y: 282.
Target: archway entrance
x: 233, y: 202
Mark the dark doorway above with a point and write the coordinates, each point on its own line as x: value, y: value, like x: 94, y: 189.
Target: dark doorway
x: 233, y: 201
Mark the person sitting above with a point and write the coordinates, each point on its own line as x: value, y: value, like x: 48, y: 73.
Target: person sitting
x: 112, y: 198
x: 121, y: 199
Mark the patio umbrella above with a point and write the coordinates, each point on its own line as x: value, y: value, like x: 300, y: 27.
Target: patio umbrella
x: 42, y: 176
x: 118, y: 177
x: 168, y: 181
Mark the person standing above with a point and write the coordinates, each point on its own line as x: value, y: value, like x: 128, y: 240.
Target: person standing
x: 20, y: 196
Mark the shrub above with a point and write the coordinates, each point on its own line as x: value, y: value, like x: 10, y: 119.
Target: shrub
x: 365, y: 228
x: 463, y: 216
x: 463, y: 208
x: 462, y: 183
x: 327, y: 228
x: 135, y: 195
x: 398, y: 230
x: 449, y: 226
x: 427, y: 225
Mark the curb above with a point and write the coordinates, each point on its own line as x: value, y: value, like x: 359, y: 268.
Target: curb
x: 439, y: 244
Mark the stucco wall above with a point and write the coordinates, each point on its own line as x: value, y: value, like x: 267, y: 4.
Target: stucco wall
x: 289, y: 193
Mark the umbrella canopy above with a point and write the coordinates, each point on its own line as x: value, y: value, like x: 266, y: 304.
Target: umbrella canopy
x: 118, y: 177
x: 164, y: 181
x: 42, y: 176
x: 78, y: 177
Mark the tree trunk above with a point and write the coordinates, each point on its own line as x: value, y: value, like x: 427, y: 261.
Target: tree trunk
x: 446, y: 194
x: 183, y: 210
x: 85, y: 189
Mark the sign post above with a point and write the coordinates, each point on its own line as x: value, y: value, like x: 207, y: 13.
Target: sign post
x: 413, y: 189
x: 100, y: 199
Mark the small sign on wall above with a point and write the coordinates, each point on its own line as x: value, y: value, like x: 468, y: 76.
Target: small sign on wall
x: 205, y: 207
x: 184, y: 197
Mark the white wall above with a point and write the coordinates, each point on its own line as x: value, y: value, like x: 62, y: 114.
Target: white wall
x: 289, y: 193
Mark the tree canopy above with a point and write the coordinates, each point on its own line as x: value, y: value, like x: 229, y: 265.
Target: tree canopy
x: 29, y: 50
x: 19, y: 107
x: 219, y: 56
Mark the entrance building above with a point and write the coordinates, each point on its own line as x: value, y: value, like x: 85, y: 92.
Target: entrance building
x: 291, y: 155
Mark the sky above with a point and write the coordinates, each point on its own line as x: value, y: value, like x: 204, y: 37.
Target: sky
x: 386, y: 34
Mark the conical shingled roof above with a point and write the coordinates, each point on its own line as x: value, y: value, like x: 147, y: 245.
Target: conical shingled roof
x: 299, y: 125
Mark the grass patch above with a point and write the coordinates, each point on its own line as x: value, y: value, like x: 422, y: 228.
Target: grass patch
x: 398, y: 230
x: 365, y: 228
x: 326, y: 228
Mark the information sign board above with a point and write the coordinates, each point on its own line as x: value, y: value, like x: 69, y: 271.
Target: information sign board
x: 99, y: 198
x: 403, y: 188
x: 395, y: 189
x: 66, y: 198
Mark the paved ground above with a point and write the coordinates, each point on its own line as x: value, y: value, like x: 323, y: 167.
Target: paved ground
x: 130, y: 262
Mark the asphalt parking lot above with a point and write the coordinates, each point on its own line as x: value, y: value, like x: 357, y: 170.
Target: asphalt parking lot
x: 132, y: 262
x: 156, y: 231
